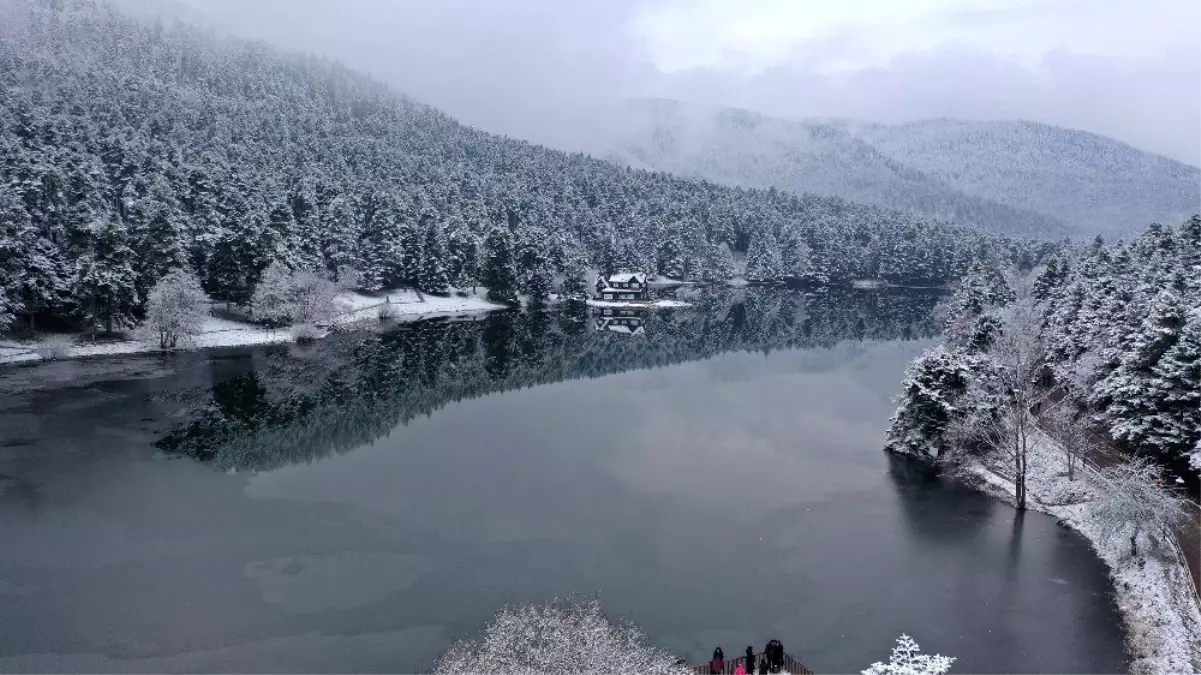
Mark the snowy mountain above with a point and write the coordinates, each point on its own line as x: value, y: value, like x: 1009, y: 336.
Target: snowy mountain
x: 130, y: 149
x: 1093, y: 183
x: 1016, y: 178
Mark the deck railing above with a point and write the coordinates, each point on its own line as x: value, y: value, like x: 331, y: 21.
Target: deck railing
x: 791, y: 665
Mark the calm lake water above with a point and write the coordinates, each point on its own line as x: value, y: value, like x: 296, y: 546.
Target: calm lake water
x: 714, y: 473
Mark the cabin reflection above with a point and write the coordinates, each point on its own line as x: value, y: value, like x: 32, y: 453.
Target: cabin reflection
x: 621, y: 320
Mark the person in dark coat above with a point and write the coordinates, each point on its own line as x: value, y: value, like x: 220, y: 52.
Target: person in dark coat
x: 775, y: 656
x: 750, y: 659
x: 718, y: 664
x: 763, y: 665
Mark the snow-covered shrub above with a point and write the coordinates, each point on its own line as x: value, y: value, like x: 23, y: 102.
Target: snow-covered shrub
x: 907, y: 659
x: 306, y: 332
x: 387, y: 312
x: 176, y: 308
x: 283, y: 296
x: 562, y: 636
x: 349, y: 277
x: 51, y: 351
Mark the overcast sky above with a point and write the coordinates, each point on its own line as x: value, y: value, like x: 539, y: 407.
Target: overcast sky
x: 543, y: 69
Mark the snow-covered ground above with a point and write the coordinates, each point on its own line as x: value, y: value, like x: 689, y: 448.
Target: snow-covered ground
x: 1154, y: 590
x: 649, y: 304
x: 409, y: 304
x: 351, y: 307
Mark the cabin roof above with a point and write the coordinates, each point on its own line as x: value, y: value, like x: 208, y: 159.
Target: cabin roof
x: 626, y: 277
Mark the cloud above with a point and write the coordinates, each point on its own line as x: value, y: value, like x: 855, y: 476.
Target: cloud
x: 552, y: 71
x: 827, y: 37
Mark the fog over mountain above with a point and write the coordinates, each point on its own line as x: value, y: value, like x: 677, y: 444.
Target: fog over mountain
x: 550, y: 71
x: 1021, y: 178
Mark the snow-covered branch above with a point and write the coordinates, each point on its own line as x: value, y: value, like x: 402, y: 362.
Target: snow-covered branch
x: 557, y: 638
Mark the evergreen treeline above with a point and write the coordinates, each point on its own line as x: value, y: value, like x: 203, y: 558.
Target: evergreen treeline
x: 1123, y: 329
x: 1117, y: 329
x: 353, y: 389
x: 131, y: 149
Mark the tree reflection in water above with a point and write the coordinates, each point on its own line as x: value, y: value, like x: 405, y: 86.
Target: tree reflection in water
x: 350, y: 390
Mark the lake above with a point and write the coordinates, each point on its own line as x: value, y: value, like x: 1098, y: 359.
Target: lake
x: 714, y: 473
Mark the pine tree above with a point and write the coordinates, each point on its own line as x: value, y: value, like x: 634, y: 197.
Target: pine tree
x: 433, y: 277
x: 104, y: 283
x: 500, y: 274
x: 574, y: 286
x: 943, y: 390
x: 1126, y: 395
x: 155, y: 232
x: 1051, y: 278
x: 1171, y: 423
x: 671, y: 260
x: 763, y: 258
x: 383, y: 253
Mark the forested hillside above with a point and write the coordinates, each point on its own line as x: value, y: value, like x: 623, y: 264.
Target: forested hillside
x: 1017, y: 178
x: 739, y: 147
x: 132, y: 149
x: 1093, y: 183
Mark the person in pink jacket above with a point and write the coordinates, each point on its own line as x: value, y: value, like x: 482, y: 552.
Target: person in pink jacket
x: 718, y: 663
x: 740, y: 670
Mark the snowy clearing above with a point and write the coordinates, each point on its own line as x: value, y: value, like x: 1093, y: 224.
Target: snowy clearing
x: 403, y: 305
x: 409, y: 304
x: 650, y: 304
x: 1154, y: 591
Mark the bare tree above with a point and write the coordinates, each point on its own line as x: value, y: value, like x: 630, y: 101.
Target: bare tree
x: 559, y: 637
x: 1130, y: 498
x: 1019, y: 355
x: 176, y: 308
x: 907, y: 659
x: 1068, y: 427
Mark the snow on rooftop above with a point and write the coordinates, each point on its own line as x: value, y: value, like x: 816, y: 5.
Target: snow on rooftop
x: 626, y: 277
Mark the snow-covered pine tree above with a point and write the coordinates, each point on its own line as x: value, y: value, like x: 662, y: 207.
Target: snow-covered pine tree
x: 982, y: 289
x: 340, y: 234
x: 433, y: 277
x: 763, y: 258
x: 671, y: 260
x: 944, y: 390
x: 574, y: 286
x: 500, y: 273
x: 104, y: 285
x: 1125, y: 395
x: 381, y: 246
x: 1052, y: 278
x: 1170, y: 421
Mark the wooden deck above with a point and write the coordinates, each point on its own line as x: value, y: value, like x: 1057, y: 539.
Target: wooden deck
x: 791, y: 665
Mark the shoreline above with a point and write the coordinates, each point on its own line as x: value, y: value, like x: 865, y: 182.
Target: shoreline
x: 355, y: 309
x: 1153, y: 591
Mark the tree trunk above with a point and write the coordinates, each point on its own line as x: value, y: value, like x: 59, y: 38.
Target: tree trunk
x: 1134, y: 543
